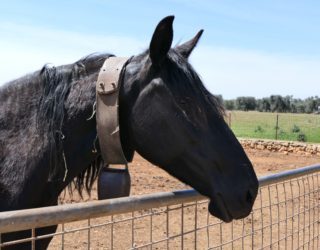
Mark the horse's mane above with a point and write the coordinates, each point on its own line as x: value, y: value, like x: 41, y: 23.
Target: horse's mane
x: 191, y: 84
x: 56, y: 83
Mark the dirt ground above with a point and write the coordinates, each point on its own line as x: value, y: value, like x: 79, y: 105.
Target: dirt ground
x: 146, y: 178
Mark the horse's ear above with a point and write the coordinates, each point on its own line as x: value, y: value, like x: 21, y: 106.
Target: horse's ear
x: 161, y: 41
x: 186, y: 48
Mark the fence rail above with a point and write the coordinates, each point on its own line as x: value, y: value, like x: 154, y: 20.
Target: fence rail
x: 286, y: 214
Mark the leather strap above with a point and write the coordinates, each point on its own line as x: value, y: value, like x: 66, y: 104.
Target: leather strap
x: 107, y: 113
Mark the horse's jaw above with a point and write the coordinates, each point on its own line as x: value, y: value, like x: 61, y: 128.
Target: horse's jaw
x: 219, y: 209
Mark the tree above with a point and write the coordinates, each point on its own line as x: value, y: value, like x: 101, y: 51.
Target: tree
x: 301, y: 107
x: 245, y: 103
x: 311, y: 104
x: 229, y: 104
x: 263, y: 105
x: 275, y: 103
x: 278, y: 104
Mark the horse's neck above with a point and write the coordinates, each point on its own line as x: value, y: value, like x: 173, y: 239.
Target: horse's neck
x: 19, y: 101
x: 25, y: 147
x: 21, y: 145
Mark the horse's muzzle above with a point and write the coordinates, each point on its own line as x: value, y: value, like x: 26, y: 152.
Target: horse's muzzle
x: 229, y: 209
x: 218, y: 209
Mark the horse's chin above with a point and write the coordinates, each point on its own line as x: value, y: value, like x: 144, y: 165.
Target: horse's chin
x: 218, y: 209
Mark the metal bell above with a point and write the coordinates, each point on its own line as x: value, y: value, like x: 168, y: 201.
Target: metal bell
x: 113, y: 183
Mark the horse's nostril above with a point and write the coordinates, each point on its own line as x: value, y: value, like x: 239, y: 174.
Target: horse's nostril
x: 249, y: 197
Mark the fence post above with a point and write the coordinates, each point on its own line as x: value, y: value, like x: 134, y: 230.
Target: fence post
x: 277, y: 126
x: 229, y: 119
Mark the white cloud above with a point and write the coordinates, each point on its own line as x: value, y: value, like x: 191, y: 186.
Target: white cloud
x: 227, y: 71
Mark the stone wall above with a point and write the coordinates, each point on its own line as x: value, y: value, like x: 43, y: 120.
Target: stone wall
x: 285, y: 147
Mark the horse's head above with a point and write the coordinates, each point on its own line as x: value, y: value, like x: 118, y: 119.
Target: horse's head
x: 168, y: 117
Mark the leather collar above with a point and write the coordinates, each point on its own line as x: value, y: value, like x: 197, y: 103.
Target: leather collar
x: 107, y: 110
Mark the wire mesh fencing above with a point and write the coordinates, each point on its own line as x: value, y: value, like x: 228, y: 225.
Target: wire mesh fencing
x: 285, y: 216
x: 275, y: 126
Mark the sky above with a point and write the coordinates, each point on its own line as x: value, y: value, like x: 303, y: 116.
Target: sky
x: 248, y: 48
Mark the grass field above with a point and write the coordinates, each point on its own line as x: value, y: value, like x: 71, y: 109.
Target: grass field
x: 293, y: 127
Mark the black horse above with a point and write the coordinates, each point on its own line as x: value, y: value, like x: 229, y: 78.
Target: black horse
x: 47, y: 140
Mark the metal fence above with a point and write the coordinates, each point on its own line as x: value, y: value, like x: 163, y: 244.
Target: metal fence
x: 285, y: 216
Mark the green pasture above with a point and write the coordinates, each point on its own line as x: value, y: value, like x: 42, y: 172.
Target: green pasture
x: 293, y: 127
